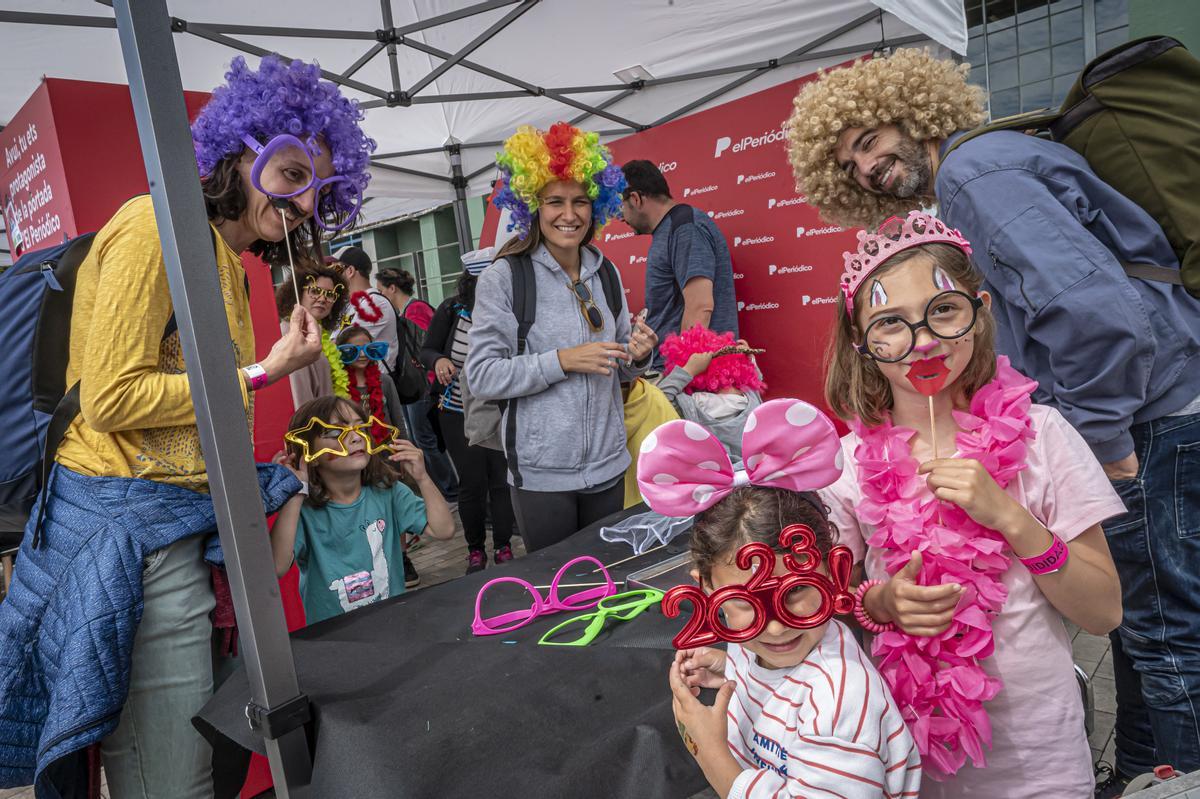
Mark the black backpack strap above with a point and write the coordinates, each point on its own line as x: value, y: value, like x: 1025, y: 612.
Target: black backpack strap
x: 612, y: 287
x: 524, y: 299
x: 524, y: 306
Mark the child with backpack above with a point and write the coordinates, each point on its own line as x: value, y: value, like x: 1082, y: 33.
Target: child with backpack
x: 716, y: 391
x: 800, y: 710
x: 977, y: 516
x: 346, y: 528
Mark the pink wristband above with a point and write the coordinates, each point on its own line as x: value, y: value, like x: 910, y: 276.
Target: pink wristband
x: 256, y: 375
x: 860, y: 610
x: 1050, y: 561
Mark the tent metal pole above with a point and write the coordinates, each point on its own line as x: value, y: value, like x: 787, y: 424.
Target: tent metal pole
x: 462, y: 218
x: 68, y: 20
x: 204, y: 32
x: 414, y: 172
x: 154, y: 84
x: 611, y: 101
x: 473, y: 45
x: 473, y: 145
x: 451, y: 16
x: 362, y: 60
x: 385, y: 7
x: 537, y: 91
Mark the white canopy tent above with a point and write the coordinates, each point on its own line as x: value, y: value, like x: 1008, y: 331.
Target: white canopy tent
x: 436, y: 73
x: 460, y: 66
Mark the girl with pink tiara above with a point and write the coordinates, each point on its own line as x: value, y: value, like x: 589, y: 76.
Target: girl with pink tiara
x: 800, y: 710
x: 977, y: 515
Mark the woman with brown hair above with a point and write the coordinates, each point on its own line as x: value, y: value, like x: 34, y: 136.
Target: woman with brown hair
x: 323, y: 294
x: 560, y: 385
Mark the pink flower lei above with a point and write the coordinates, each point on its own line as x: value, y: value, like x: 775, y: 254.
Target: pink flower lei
x: 938, y: 682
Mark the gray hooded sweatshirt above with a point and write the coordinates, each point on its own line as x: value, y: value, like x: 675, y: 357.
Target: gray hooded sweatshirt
x: 570, y: 428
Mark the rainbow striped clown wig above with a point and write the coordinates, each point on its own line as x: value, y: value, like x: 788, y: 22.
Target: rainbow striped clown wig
x: 532, y: 158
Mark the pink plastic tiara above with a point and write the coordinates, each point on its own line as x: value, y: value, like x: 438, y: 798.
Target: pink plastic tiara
x: 893, y: 236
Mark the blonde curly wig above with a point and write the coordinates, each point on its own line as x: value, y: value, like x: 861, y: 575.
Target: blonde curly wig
x: 927, y: 97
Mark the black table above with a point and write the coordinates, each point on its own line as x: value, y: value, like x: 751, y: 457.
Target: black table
x: 408, y: 703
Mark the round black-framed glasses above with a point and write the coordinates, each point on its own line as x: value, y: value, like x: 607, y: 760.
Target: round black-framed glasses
x: 949, y: 315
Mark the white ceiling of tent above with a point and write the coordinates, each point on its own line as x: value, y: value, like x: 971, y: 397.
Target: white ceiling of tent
x: 554, y: 43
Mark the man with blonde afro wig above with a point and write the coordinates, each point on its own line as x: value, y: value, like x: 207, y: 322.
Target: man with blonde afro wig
x: 1119, y: 357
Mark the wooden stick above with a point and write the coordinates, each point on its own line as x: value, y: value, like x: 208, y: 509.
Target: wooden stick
x: 933, y: 429
x: 631, y: 557
x: 291, y: 263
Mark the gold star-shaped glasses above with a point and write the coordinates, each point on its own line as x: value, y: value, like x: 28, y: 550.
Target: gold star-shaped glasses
x: 338, y: 432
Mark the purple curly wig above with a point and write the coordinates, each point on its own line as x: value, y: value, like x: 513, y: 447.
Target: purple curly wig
x: 728, y: 371
x: 282, y: 97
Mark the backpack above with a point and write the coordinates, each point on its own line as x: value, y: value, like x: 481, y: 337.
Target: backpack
x: 481, y: 419
x: 1132, y: 113
x: 36, y: 407
x: 409, y: 376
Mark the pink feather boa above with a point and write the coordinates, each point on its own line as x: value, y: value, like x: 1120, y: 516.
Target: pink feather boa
x: 938, y: 682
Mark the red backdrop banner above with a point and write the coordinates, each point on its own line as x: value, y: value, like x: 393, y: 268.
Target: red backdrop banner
x: 731, y: 162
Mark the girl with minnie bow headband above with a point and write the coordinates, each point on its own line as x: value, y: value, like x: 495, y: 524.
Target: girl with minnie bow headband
x: 972, y: 559
x: 799, y: 707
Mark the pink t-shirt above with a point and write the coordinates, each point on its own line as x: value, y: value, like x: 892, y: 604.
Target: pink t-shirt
x: 1039, y: 745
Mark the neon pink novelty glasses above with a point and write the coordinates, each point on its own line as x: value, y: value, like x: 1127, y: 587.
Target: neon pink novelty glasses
x: 513, y: 620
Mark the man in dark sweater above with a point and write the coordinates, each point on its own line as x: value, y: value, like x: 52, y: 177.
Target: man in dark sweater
x: 689, y: 275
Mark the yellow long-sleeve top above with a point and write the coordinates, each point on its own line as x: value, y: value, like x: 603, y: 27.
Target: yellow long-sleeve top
x: 137, y: 417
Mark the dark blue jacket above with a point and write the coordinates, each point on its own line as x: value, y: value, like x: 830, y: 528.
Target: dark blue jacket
x: 68, y: 623
x: 1049, y: 236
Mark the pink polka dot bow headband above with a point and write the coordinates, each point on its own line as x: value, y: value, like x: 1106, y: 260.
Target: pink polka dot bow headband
x: 787, y: 443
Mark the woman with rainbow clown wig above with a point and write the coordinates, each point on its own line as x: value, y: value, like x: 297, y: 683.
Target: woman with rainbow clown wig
x: 560, y: 383
x: 106, y: 636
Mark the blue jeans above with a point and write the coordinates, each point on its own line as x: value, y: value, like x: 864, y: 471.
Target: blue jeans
x: 437, y: 462
x: 1156, y: 548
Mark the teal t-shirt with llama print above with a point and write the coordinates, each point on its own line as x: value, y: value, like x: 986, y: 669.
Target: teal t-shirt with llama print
x: 352, y: 555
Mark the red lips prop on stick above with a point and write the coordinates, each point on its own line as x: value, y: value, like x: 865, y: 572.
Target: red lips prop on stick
x: 928, y: 376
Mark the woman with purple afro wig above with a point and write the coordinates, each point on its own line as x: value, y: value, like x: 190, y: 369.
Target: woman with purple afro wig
x: 153, y: 657
x: 279, y: 97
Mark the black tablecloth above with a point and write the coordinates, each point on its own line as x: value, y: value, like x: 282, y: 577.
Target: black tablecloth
x: 408, y: 703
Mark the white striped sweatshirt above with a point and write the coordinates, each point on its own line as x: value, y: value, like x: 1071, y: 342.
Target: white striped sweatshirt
x: 825, y: 729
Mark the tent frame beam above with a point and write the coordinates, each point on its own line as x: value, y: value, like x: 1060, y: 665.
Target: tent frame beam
x: 471, y: 46
x: 391, y: 37
x: 276, y: 703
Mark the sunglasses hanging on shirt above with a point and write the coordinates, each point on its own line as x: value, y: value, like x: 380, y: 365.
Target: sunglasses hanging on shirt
x: 587, y: 306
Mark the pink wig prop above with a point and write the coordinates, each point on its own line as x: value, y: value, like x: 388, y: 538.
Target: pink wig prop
x: 727, y: 371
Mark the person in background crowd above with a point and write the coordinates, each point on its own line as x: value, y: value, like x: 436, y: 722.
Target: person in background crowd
x: 324, y: 294
x: 482, y: 486
x: 128, y: 497
x: 398, y: 285
x: 373, y: 390
x: 346, y: 528
x: 689, y: 275
x: 373, y: 311
x: 368, y: 308
x: 562, y: 420
x: 1118, y: 356
x: 715, y: 391
x: 646, y: 407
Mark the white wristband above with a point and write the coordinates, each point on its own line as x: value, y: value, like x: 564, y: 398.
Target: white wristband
x: 303, y: 488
